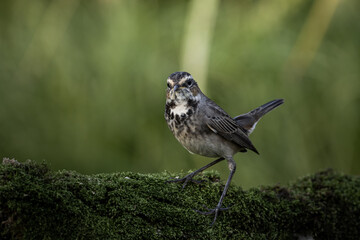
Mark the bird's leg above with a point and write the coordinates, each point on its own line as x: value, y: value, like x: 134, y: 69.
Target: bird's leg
x: 217, y: 209
x: 190, y: 176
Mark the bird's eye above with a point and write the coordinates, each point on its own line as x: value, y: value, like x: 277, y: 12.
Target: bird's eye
x: 169, y: 85
x: 188, y: 82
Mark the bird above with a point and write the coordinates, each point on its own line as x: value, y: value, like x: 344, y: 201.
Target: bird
x: 204, y: 128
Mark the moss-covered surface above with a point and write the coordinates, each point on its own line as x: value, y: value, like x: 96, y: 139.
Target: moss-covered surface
x: 37, y: 203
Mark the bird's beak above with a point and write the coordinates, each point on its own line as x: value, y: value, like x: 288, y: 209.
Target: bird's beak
x: 176, y: 87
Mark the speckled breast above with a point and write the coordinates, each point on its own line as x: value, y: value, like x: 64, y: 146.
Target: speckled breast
x: 196, y: 137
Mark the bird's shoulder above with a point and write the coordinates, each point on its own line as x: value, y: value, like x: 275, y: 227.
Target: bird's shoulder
x: 211, y: 109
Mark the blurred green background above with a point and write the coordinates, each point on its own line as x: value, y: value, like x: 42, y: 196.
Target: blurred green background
x: 82, y: 83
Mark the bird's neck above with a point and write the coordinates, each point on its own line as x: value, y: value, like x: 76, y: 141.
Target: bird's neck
x: 189, y: 101
x: 182, y: 105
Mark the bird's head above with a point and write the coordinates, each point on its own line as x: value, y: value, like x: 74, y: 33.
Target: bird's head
x: 181, y: 86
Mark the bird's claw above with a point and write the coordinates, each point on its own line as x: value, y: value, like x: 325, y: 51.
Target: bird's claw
x: 214, y: 211
x: 186, y: 179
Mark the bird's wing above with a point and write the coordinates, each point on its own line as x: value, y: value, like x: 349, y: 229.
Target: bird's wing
x: 226, y: 127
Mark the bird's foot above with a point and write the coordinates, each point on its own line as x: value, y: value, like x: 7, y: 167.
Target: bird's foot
x: 186, y: 179
x: 214, y: 211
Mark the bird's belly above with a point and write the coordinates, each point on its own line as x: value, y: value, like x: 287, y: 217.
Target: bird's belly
x: 208, y: 145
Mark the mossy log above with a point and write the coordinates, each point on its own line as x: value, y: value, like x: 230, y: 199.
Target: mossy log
x: 37, y: 203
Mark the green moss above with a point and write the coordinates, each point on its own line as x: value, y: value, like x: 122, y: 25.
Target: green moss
x: 36, y: 203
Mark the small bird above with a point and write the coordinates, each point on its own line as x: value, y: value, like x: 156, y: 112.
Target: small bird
x: 204, y: 128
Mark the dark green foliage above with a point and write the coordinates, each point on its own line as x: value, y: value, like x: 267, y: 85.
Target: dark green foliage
x: 36, y: 203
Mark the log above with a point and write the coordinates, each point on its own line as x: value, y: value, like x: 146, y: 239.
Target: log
x: 38, y: 203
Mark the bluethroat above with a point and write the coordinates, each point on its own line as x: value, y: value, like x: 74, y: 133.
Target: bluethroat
x: 204, y: 128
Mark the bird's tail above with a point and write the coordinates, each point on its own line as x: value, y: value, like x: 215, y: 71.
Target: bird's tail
x: 249, y: 120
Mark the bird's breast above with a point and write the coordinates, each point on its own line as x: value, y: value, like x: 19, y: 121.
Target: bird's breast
x: 186, y: 123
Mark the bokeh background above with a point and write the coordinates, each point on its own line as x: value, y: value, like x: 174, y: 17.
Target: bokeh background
x: 82, y: 82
